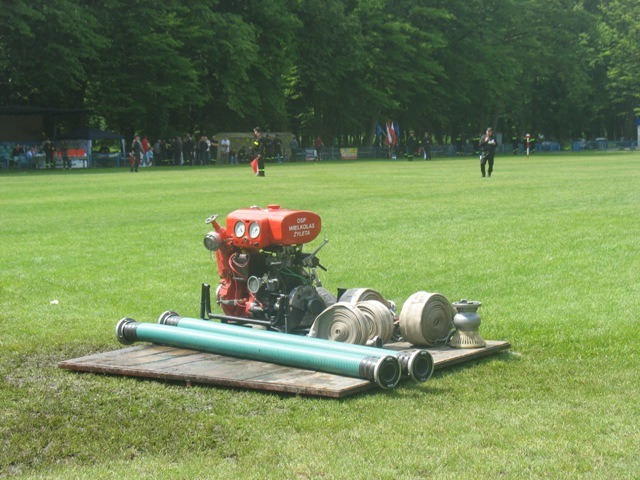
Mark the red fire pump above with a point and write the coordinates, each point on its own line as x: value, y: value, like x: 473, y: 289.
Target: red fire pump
x: 265, y: 278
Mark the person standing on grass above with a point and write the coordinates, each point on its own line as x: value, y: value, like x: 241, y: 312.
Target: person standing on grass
x: 277, y: 148
x: 294, y: 149
x: 529, y: 143
x: 488, y: 146
x: 225, y: 148
x: 64, y: 153
x: 260, y: 150
x: 426, y: 146
x: 146, y: 147
x: 136, y: 151
x: 318, y: 144
x: 157, y: 152
x: 411, y: 146
x: 49, y: 150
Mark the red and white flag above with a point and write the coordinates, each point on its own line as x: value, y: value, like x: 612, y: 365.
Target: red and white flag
x: 391, y: 134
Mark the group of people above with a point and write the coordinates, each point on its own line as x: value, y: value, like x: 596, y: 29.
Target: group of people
x: 487, y: 145
x: 180, y: 151
x: 527, y: 142
x: 205, y: 151
x: 185, y: 151
x: 415, y: 147
x: 265, y: 149
x: 412, y: 147
x: 48, y: 149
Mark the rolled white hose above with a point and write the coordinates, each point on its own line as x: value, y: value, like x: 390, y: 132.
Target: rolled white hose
x: 355, y: 295
x: 426, y: 319
x: 341, y: 322
x: 380, y: 319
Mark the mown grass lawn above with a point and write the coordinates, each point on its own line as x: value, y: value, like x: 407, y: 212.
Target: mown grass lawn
x: 549, y: 246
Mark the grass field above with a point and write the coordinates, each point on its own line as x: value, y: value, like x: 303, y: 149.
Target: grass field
x: 550, y: 246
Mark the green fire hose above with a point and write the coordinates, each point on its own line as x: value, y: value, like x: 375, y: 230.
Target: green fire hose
x: 385, y: 371
x: 417, y: 364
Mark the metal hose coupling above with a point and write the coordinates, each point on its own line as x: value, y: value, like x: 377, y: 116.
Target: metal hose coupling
x: 169, y: 318
x: 418, y: 364
x: 126, y: 331
x: 384, y: 371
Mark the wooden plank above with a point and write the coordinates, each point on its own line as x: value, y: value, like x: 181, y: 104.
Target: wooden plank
x: 444, y: 357
x: 207, y: 368
x: 190, y: 366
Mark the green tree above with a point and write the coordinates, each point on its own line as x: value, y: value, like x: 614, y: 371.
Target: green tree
x: 327, y: 50
x: 259, y: 97
x: 142, y: 74
x: 220, y: 47
x: 334, y: 67
x: 619, y: 55
x: 403, y: 73
x: 46, y: 48
x: 556, y: 89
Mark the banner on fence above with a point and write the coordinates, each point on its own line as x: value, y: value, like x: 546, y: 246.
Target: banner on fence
x: 310, y: 154
x: 348, y: 153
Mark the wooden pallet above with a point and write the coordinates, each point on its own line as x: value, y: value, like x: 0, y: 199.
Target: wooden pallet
x: 194, y: 367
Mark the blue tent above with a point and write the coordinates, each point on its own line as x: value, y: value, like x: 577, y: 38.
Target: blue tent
x: 90, y: 135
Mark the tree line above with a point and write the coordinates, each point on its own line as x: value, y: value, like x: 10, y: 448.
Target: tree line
x: 565, y: 68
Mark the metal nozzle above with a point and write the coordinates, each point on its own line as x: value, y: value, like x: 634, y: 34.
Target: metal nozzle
x: 169, y: 318
x: 126, y: 331
x: 418, y: 364
x: 384, y: 371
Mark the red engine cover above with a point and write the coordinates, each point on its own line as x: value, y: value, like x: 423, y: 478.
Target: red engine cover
x: 260, y: 228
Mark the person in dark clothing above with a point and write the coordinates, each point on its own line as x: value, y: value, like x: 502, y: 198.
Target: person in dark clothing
x: 187, y: 150
x: 268, y: 148
x: 277, y: 149
x: 426, y: 146
x: 49, y: 150
x: 243, y: 155
x: 203, y: 150
x: 488, y: 146
x: 515, y: 144
x: 459, y: 144
x: 177, y: 151
x: 213, y: 150
x: 411, y: 146
x: 64, y: 153
x: 136, y: 152
x: 260, y: 150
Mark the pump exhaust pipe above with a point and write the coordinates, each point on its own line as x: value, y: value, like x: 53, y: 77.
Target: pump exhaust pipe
x: 384, y: 371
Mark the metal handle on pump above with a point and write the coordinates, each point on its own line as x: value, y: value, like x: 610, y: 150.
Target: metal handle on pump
x: 308, y: 260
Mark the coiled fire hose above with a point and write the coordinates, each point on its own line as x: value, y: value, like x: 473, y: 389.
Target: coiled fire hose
x: 426, y: 319
x: 341, y: 322
x: 417, y: 364
x: 355, y: 295
x: 380, y: 319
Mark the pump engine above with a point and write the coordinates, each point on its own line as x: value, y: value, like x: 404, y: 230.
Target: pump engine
x: 265, y: 278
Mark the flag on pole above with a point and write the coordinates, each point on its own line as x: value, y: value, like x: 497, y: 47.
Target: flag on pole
x: 378, y: 130
x: 392, y: 139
